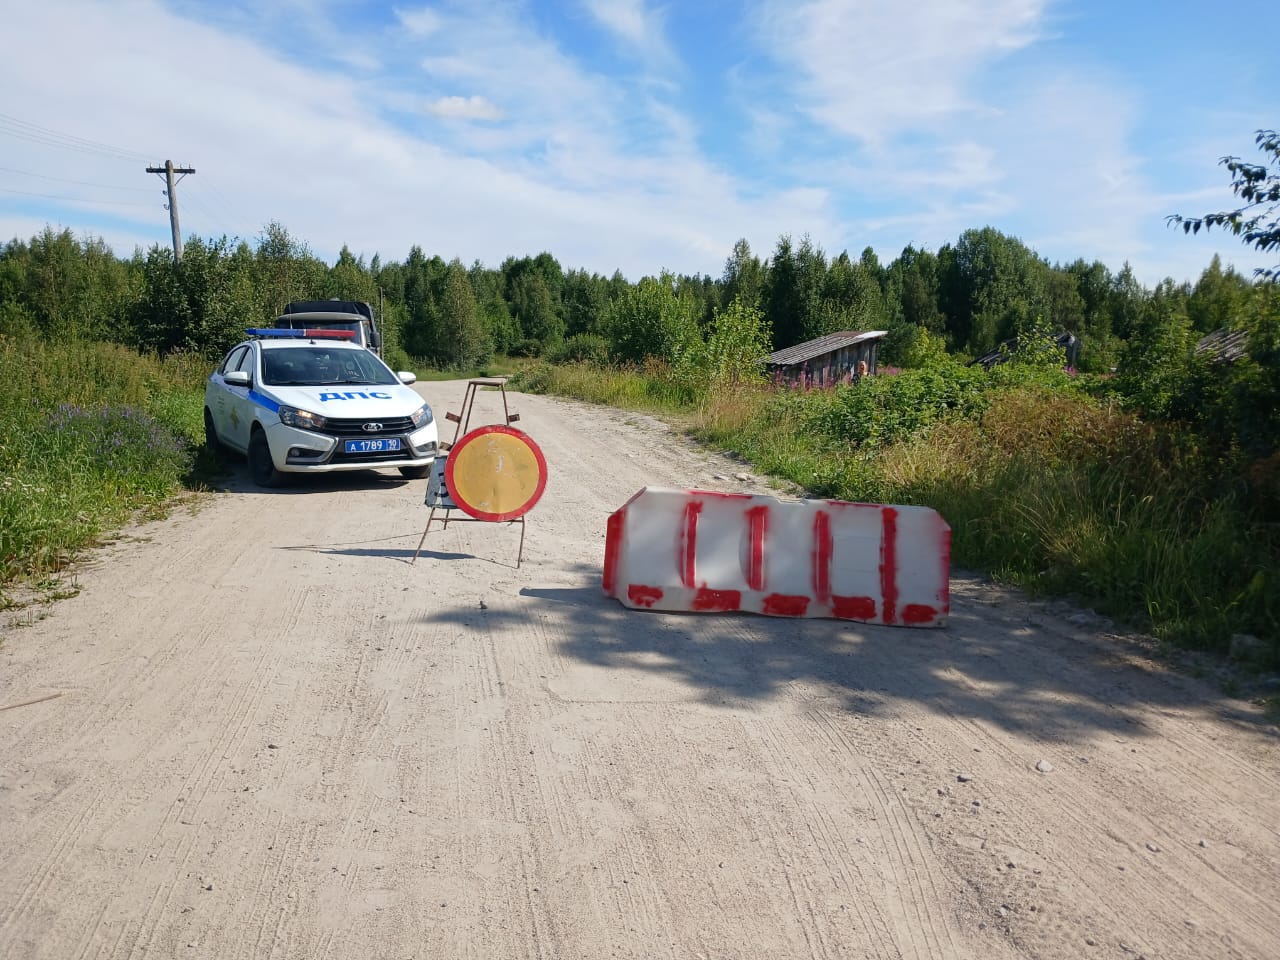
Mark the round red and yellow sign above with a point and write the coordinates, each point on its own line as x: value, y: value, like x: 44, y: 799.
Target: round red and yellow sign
x: 496, y: 473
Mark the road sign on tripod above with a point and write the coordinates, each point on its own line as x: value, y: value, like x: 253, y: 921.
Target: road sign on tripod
x: 494, y: 473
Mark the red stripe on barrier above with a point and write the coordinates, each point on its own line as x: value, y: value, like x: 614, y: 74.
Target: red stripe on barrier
x: 613, y: 548
x: 785, y: 605
x: 889, y: 562
x: 853, y: 608
x: 946, y: 570
x: 757, y: 525
x: 643, y: 596
x: 707, y: 599
x: 688, y: 548
x: 915, y: 614
x: 822, y: 556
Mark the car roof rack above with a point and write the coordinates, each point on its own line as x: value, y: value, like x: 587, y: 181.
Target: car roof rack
x: 315, y: 333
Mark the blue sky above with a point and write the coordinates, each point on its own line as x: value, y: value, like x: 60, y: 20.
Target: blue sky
x: 636, y: 135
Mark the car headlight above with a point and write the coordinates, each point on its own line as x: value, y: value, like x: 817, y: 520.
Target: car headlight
x: 302, y: 419
x: 422, y: 416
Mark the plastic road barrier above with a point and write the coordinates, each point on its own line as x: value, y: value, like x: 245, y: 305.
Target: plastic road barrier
x: 698, y: 550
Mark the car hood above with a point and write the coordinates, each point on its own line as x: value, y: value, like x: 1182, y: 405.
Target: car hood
x: 349, y: 400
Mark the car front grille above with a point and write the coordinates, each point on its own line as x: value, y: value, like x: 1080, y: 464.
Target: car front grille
x: 391, y: 427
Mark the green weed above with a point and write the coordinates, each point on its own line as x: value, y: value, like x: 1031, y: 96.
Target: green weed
x: 90, y: 434
x: 1043, y: 485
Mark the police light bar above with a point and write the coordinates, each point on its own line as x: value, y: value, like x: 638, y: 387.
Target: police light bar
x: 309, y: 334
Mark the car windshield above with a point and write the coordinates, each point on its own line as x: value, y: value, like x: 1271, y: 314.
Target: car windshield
x: 315, y: 366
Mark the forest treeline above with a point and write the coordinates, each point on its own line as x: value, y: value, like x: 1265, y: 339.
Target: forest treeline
x: 969, y: 296
x: 981, y: 290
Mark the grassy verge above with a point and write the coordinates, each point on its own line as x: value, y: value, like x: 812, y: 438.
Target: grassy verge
x: 497, y: 367
x: 1043, y: 485
x: 91, y: 434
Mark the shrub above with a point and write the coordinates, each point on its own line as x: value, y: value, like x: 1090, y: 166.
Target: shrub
x: 528, y: 347
x: 582, y: 348
x: 736, y: 347
x: 881, y: 410
x: 535, y: 378
x: 651, y: 319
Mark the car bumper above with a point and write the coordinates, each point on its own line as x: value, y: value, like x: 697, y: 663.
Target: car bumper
x: 305, y: 451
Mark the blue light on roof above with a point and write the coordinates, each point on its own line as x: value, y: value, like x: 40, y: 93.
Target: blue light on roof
x: 269, y: 332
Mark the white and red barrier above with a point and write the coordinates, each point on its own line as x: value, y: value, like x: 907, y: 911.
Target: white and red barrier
x: 704, y: 551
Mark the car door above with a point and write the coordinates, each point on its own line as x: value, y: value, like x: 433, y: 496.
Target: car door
x: 220, y: 396
x: 239, y: 405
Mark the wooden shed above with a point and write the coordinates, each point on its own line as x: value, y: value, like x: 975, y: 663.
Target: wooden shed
x: 827, y: 360
x: 1224, y: 345
x: 1002, y: 352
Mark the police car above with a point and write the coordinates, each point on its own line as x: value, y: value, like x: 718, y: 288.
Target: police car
x: 311, y: 401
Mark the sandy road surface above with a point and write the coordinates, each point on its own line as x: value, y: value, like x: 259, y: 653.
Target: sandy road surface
x: 276, y: 738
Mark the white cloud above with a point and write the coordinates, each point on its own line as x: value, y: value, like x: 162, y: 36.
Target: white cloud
x: 464, y: 108
x: 933, y: 147
x: 597, y: 168
x: 872, y: 69
x: 634, y: 23
x: 580, y: 167
x: 420, y: 22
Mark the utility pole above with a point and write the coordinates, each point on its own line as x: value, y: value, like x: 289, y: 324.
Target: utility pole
x: 170, y: 188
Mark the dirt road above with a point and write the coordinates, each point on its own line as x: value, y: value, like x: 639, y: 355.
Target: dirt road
x: 274, y: 737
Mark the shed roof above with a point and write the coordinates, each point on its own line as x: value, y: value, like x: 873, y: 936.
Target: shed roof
x: 822, y: 345
x: 1224, y: 345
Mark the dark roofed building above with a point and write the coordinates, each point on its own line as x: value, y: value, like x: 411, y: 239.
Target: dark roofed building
x: 1001, y: 353
x: 1224, y: 345
x: 827, y: 360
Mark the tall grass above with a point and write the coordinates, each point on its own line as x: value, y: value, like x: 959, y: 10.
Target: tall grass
x: 1043, y: 485
x: 90, y: 433
x: 1062, y: 494
x: 655, y: 387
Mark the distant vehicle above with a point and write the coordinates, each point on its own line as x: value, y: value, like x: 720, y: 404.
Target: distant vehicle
x: 315, y: 401
x: 334, y: 314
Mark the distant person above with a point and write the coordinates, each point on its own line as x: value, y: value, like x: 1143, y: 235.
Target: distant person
x: 862, y: 371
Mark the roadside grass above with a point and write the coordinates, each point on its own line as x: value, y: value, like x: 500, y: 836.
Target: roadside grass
x: 1070, y: 497
x: 1044, y: 486
x: 654, y: 388
x: 91, y: 435
x: 499, y: 366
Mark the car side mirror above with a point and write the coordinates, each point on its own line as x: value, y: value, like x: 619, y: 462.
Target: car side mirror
x: 407, y: 377
x: 236, y: 378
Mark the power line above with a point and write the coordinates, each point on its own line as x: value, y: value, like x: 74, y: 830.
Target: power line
x: 83, y: 183
x: 35, y: 133
x: 210, y: 214
x: 52, y: 196
x: 227, y: 206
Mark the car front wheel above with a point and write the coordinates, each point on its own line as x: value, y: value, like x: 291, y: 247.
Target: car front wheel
x: 261, y: 468
x: 414, y: 473
x: 211, y: 441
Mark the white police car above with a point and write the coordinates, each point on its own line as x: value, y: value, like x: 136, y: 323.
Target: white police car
x: 311, y: 401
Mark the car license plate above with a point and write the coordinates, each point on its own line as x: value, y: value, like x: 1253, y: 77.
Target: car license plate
x: 372, y: 446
